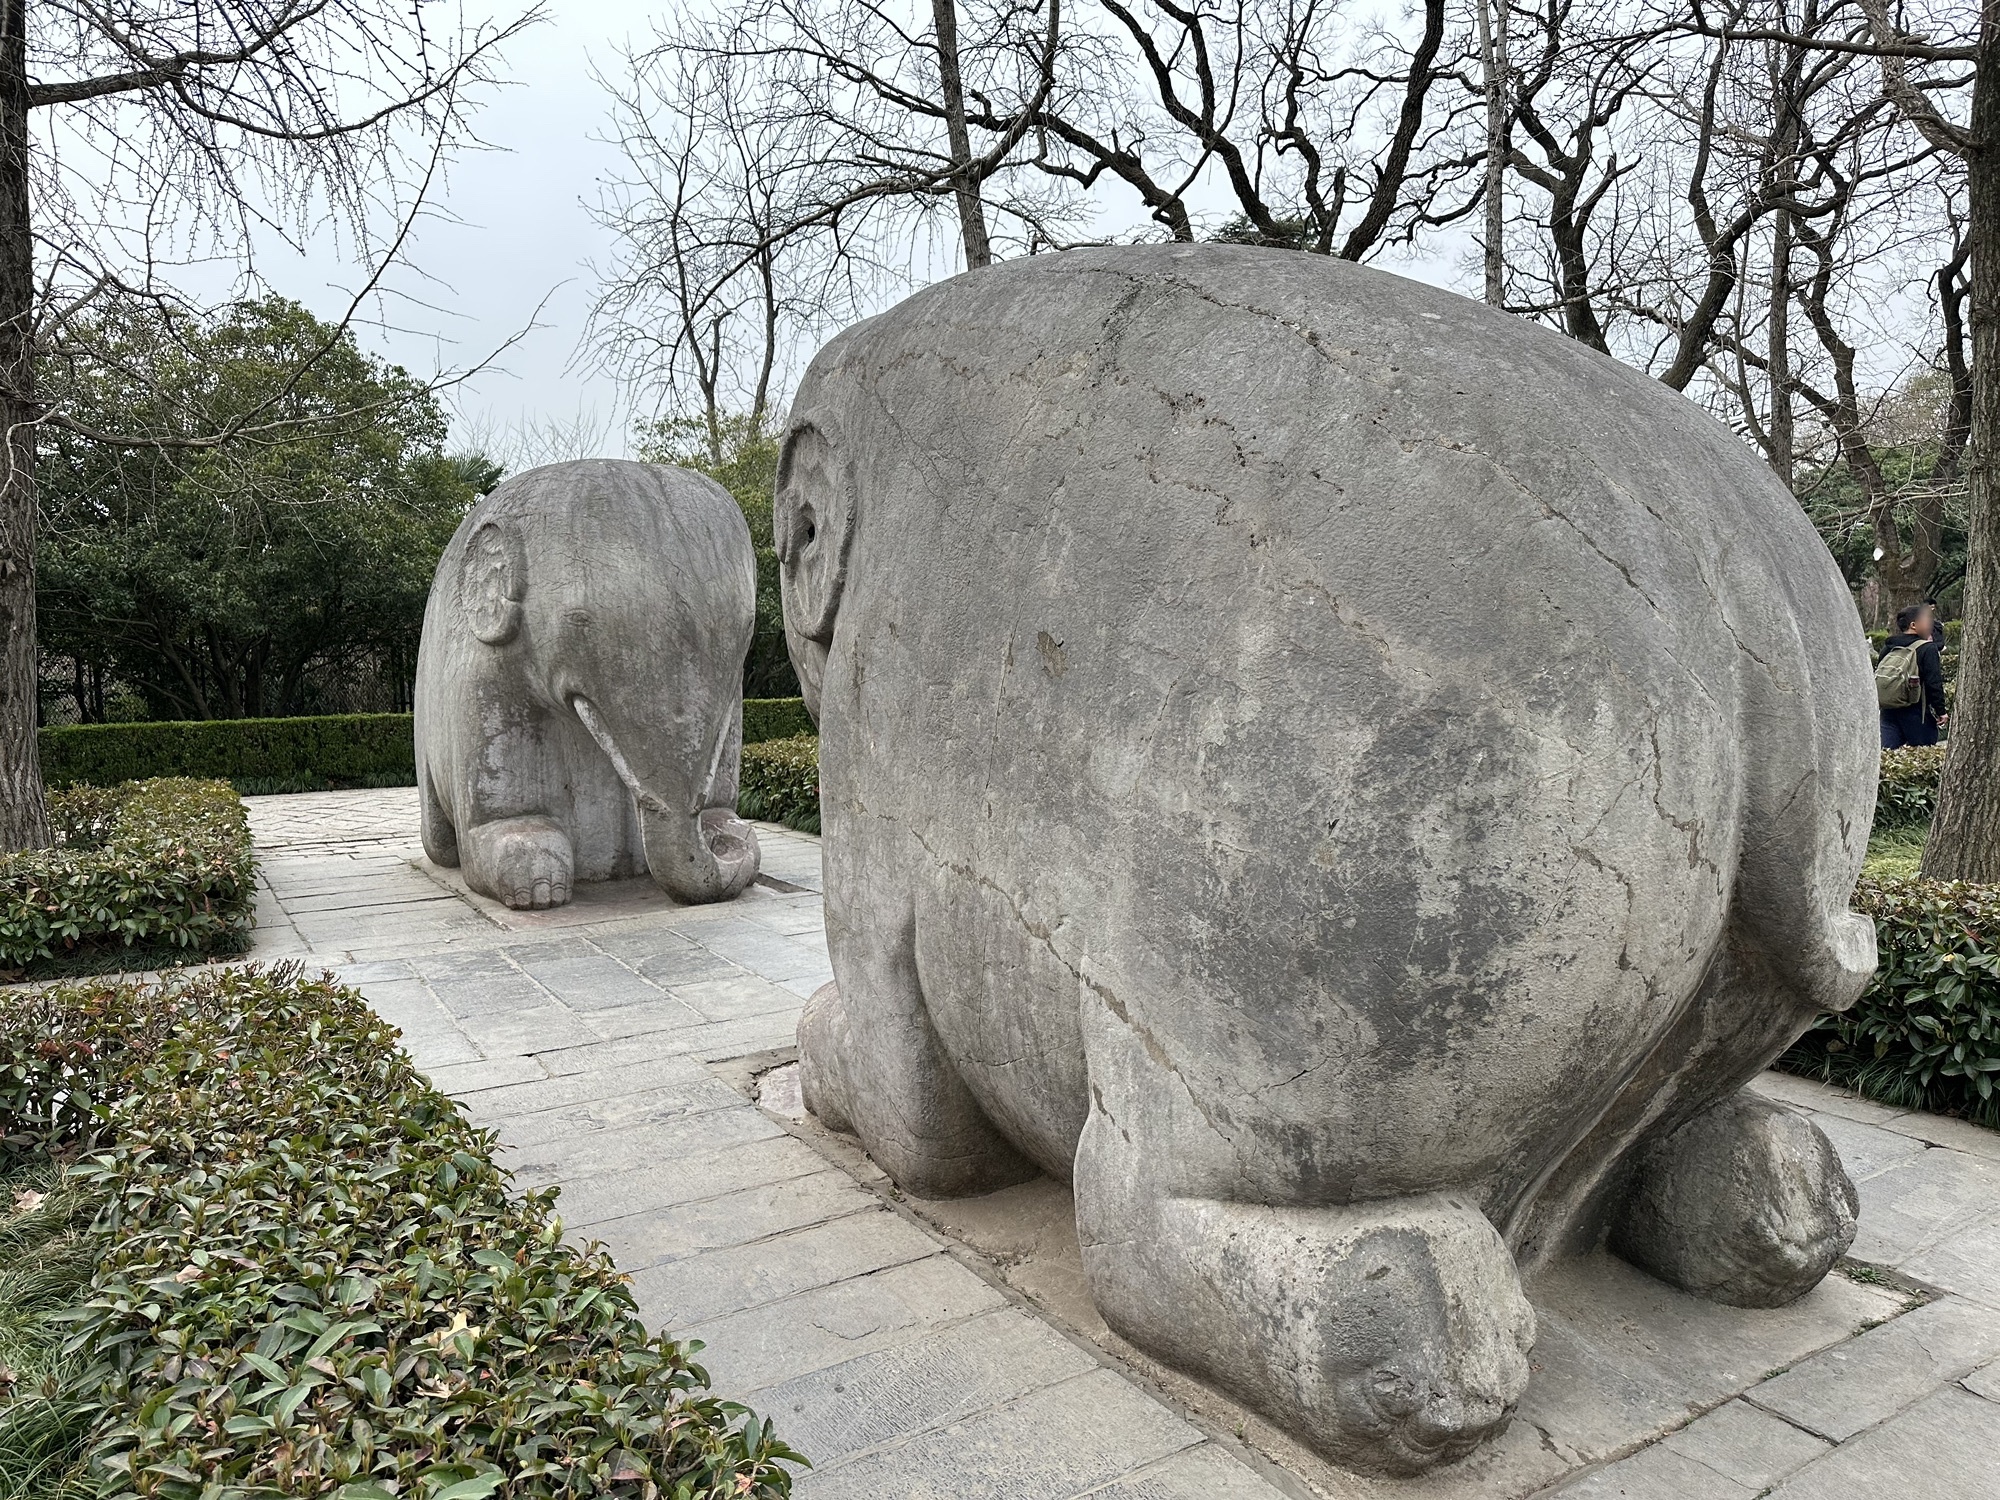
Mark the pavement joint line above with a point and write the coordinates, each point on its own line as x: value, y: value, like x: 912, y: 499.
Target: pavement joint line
x: 914, y: 1332
x: 762, y: 1239
x: 904, y: 1439
x: 933, y: 1253
x: 1247, y: 1456
x: 679, y: 1203
x: 501, y: 1121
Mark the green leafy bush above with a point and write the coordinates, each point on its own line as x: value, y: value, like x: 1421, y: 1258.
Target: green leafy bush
x: 314, y: 753
x: 775, y: 719
x: 1907, y: 796
x: 261, y: 756
x: 781, y: 782
x: 1954, y: 631
x: 1926, y: 1032
x: 312, y: 1280
x: 141, y: 875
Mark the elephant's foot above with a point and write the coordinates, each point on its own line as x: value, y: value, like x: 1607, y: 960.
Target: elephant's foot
x: 1746, y: 1204
x: 874, y: 1066
x: 1391, y: 1336
x: 525, y: 862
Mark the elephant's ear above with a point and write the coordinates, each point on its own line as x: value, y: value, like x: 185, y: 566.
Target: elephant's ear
x: 492, y: 579
x: 812, y: 522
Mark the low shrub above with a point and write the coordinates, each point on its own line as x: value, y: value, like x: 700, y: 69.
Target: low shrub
x: 780, y: 782
x: 311, y: 1279
x: 1926, y: 1032
x: 310, y: 754
x: 145, y: 874
x: 775, y: 719
x: 262, y: 756
x: 1907, y: 796
x: 1954, y: 631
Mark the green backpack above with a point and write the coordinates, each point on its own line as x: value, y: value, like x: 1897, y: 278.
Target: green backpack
x: 1897, y: 684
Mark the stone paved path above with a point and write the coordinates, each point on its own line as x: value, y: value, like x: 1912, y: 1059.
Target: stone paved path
x: 613, y: 1046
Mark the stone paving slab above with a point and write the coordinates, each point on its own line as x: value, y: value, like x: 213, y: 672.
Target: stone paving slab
x: 1945, y: 1447
x: 1753, y: 1446
x: 611, y: 1047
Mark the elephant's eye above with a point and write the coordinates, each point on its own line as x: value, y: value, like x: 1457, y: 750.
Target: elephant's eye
x: 812, y: 531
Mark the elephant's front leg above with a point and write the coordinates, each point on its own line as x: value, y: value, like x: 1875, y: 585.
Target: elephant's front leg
x: 525, y: 862
x: 1390, y: 1335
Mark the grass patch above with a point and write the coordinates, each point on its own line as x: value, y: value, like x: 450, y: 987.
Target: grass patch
x: 46, y: 1258
x: 1895, y: 852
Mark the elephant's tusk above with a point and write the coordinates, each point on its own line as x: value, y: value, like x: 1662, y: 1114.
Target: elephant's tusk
x: 648, y: 801
x: 587, y: 715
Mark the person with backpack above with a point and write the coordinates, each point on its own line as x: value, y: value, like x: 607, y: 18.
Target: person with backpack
x: 1909, y: 681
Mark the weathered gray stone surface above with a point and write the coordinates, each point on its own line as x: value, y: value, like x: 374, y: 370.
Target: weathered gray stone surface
x: 1338, y: 774
x: 578, y: 701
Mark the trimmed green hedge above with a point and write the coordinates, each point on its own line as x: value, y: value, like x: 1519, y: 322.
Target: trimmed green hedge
x: 781, y: 782
x: 1908, y: 793
x: 775, y: 719
x: 142, y: 875
x: 1926, y: 1032
x: 312, y: 1280
x: 292, y: 755
x: 333, y: 749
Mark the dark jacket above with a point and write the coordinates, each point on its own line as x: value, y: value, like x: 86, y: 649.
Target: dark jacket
x: 1930, y: 669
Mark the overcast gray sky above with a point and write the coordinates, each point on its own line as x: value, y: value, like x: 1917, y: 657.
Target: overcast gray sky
x: 512, y: 229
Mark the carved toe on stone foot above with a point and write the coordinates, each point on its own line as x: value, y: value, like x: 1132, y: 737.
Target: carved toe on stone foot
x: 1746, y: 1204
x: 1427, y: 1360
x: 820, y: 1033
x: 524, y: 862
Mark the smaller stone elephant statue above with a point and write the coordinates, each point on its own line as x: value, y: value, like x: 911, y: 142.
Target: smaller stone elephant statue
x: 579, y: 708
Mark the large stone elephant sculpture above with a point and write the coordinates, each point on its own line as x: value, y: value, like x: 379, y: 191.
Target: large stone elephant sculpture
x: 579, y: 706
x: 1354, y: 782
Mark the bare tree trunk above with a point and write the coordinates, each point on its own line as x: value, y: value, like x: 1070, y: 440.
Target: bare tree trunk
x: 24, y: 820
x: 1781, y: 430
x: 971, y: 213
x: 1493, y: 52
x: 1965, y: 838
x: 1786, y: 65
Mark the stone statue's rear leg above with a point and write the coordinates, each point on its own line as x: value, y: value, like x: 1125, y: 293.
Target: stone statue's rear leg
x: 1392, y: 1335
x: 870, y: 1062
x: 1731, y: 1196
x: 1745, y: 1204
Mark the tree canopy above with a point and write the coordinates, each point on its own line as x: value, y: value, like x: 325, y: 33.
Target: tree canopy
x: 244, y: 580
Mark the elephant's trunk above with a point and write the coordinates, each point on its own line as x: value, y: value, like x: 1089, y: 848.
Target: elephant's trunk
x: 696, y: 852
x: 708, y: 857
